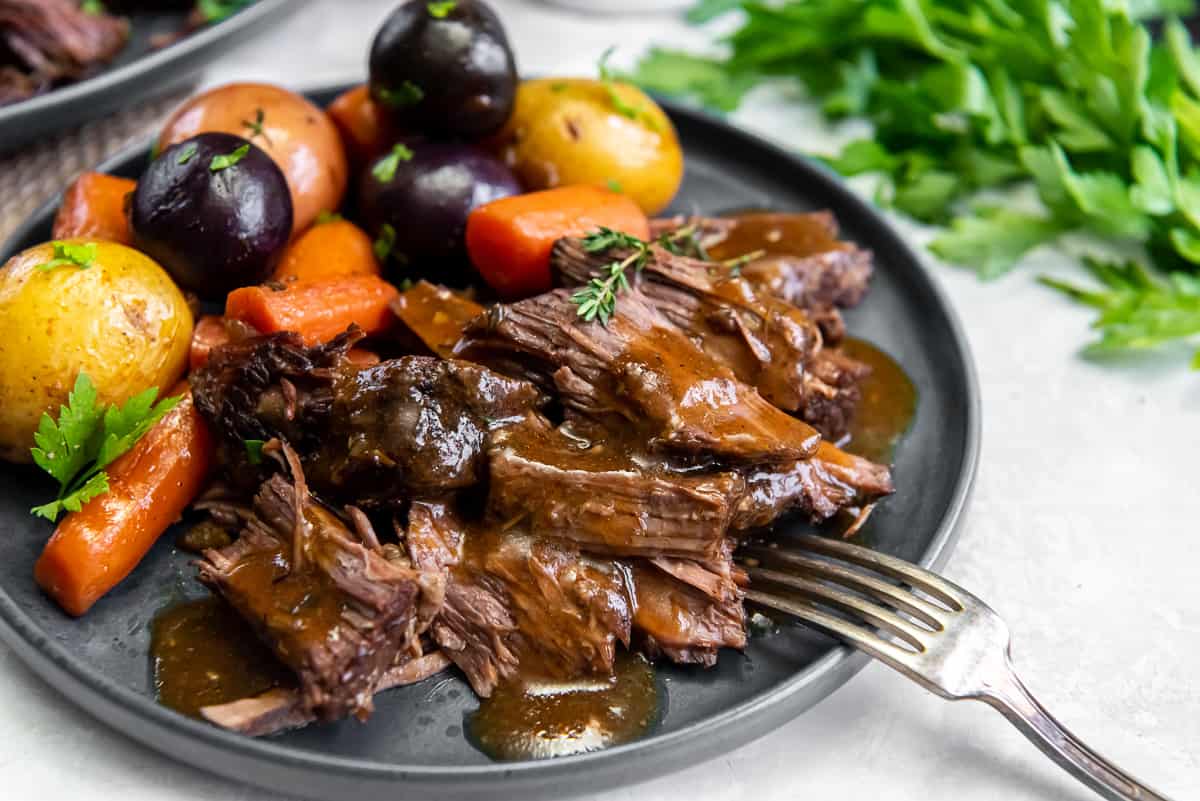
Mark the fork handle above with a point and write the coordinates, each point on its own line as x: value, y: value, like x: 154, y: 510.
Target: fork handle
x: 1016, y: 703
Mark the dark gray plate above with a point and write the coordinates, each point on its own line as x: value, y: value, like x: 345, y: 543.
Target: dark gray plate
x: 138, y: 73
x: 414, y: 746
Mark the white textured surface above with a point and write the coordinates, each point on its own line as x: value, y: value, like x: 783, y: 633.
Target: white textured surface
x: 1082, y: 534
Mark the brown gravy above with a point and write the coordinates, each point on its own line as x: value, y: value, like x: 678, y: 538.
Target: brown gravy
x: 889, y: 401
x: 534, y: 718
x: 777, y: 235
x: 203, y: 653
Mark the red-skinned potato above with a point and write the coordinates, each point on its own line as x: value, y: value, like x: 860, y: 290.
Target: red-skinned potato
x: 94, y: 206
x: 300, y: 137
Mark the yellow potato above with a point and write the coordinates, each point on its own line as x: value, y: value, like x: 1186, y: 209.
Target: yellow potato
x: 299, y: 136
x: 579, y: 131
x: 121, y: 320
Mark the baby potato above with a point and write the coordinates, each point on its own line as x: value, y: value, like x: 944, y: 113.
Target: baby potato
x: 120, y: 319
x: 605, y: 133
x: 300, y: 137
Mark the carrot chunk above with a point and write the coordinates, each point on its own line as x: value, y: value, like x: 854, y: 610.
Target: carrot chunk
x: 333, y: 249
x: 317, y: 310
x: 509, y: 240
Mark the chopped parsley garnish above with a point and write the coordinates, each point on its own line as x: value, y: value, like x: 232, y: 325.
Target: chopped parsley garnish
x: 328, y: 217
x: 70, y: 254
x: 385, y: 242
x: 254, y: 450
x: 186, y: 154
x: 227, y: 160
x: 441, y: 10
x: 406, y: 94
x: 385, y: 169
x: 86, y: 438
x: 613, y: 185
x: 93, y: 7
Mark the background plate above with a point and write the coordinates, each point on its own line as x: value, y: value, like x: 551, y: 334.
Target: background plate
x: 414, y: 744
x: 138, y: 73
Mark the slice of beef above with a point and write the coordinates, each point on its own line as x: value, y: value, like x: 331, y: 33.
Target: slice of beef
x: 272, y: 386
x: 767, y: 342
x: 605, y: 496
x: 414, y: 426
x: 335, y: 612
x: 718, y: 578
x: 638, y: 371
x: 805, y: 263
x: 474, y: 630
x: 571, y: 609
x: 676, y: 620
x: 819, y: 487
x: 476, y: 624
x: 833, y: 391
x: 434, y: 537
x: 375, y: 435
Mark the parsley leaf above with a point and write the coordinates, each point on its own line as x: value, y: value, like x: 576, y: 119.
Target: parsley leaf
x: 328, y: 217
x: 442, y: 9
x: 406, y: 94
x: 254, y: 450
x: 385, y: 242
x: 187, y: 153
x: 86, y: 438
x: 63, y: 446
x: 93, y: 7
x: 994, y: 240
x: 70, y: 254
x: 705, y: 79
x: 385, y: 169
x: 227, y: 160
x: 1137, y: 309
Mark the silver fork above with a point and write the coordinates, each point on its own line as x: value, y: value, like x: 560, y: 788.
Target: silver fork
x: 940, y: 636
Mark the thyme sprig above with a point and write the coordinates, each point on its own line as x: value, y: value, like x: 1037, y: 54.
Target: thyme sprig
x: 597, y: 300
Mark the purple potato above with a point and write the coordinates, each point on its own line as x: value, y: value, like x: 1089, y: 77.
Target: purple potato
x: 426, y: 203
x: 450, y: 73
x: 213, y: 229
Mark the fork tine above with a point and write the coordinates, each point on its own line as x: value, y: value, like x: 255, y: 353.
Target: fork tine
x: 930, y: 614
x: 861, y: 638
x: 855, y: 604
x: 918, y: 578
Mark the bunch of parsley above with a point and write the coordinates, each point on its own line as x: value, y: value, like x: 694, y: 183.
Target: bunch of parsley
x: 1072, y: 96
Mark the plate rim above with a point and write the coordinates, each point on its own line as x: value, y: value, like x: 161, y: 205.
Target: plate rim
x: 32, y: 645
